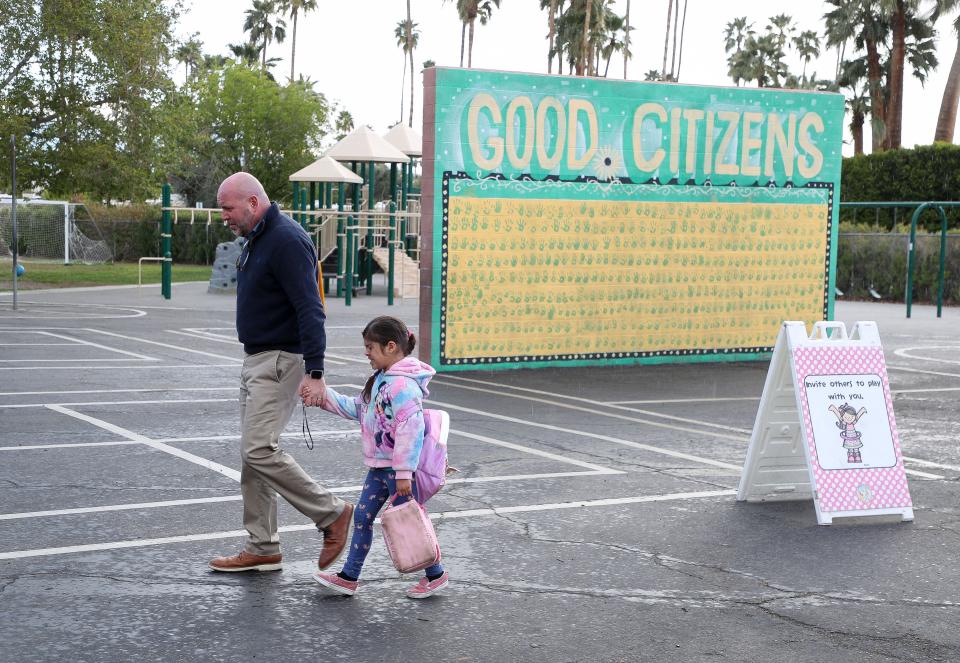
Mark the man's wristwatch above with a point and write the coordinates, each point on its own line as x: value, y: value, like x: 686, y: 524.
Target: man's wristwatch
x: 316, y: 374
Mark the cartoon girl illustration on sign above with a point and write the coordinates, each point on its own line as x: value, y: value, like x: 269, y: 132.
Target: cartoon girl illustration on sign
x: 847, y: 419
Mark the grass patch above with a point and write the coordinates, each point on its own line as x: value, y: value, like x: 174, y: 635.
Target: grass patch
x: 43, y: 274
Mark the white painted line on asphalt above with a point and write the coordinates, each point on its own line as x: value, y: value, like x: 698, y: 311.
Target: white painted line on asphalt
x: 667, y: 401
x: 917, y: 370
x: 164, y: 345
x: 923, y: 475
x: 495, y: 511
x: 165, y: 440
x: 616, y: 440
x: 15, y: 406
x: 114, y: 368
x: 116, y: 391
x: 117, y: 507
x: 923, y: 391
x: 236, y: 498
x: 536, y: 452
x: 224, y: 438
x: 28, y: 447
x: 236, y: 343
x: 159, y: 446
x: 97, y: 345
x: 906, y: 353
x: 445, y: 515
x: 61, y: 361
x: 350, y: 359
x: 929, y: 463
x: 206, y: 337
x: 593, y: 411
x: 22, y: 345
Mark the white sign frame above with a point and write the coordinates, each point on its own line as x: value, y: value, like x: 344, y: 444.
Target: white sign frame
x: 782, y: 461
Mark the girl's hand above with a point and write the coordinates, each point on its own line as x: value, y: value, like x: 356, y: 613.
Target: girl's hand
x: 404, y: 487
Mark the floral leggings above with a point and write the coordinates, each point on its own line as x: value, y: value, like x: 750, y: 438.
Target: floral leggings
x: 379, y: 485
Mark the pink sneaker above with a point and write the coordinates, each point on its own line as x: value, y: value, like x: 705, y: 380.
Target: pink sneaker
x: 426, y: 588
x: 336, y: 583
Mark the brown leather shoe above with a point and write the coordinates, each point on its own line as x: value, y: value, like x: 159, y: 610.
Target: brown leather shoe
x: 244, y: 561
x: 335, y: 537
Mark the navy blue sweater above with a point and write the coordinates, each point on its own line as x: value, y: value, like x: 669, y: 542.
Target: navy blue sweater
x: 278, y: 301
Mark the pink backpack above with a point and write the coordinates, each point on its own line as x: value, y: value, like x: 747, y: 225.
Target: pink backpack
x: 432, y: 469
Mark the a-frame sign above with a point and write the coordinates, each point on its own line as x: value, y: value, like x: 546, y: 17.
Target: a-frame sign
x: 825, y: 428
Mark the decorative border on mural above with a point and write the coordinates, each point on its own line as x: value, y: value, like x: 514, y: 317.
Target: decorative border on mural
x: 729, y: 353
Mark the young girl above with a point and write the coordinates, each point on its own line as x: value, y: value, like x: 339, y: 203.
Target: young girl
x: 390, y: 412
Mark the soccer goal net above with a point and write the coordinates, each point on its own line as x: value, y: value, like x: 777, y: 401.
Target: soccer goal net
x: 52, y: 230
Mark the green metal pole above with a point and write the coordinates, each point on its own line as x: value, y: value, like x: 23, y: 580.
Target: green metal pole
x: 305, y: 219
x: 413, y: 237
x: 943, y: 260
x: 295, y: 205
x: 910, y: 256
x: 341, y: 244
x: 390, y: 245
x: 353, y: 246
x: 348, y: 291
x: 166, y: 245
x: 371, y: 201
x: 341, y: 256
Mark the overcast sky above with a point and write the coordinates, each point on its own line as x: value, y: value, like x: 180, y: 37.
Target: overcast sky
x: 348, y: 48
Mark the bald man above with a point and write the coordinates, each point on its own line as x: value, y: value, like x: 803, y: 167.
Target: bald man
x: 280, y: 323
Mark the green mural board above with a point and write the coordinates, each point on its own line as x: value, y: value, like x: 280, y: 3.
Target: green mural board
x: 578, y: 221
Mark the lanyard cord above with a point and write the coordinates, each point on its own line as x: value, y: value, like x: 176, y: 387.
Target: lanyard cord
x: 305, y: 429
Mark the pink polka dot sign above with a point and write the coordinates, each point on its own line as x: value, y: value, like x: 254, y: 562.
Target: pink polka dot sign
x: 850, y: 433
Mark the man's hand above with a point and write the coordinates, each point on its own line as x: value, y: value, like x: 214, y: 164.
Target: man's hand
x: 313, y: 392
x: 404, y: 487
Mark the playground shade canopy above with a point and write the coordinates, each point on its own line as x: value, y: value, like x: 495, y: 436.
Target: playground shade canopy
x: 326, y: 169
x: 405, y: 139
x: 364, y: 145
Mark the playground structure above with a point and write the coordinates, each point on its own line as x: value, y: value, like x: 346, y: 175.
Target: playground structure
x: 354, y: 240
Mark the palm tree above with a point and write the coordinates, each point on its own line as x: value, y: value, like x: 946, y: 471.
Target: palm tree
x: 246, y: 53
x: 736, y: 32
x: 807, y: 44
x: 551, y: 7
x: 683, y: 29
x: 626, y: 39
x: 190, y: 54
x: 462, y: 7
x: 947, y: 118
x: 666, y: 38
x: 261, y: 28
x: 856, y: 21
x: 408, y: 36
x: 853, y: 76
x: 294, y: 7
x: 343, y: 124
x: 582, y: 63
x: 482, y: 9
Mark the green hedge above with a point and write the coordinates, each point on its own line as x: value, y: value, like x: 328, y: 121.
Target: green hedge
x: 925, y: 173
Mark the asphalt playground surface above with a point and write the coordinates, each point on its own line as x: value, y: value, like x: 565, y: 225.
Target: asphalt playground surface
x: 593, y: 519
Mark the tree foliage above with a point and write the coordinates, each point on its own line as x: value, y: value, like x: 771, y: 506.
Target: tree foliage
x: 82, y: 85
x: 236, y: 118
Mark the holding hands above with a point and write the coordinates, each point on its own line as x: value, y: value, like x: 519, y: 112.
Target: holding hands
x: 313, y: 391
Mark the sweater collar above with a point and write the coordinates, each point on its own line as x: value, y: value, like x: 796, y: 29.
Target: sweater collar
x: 272, y: 213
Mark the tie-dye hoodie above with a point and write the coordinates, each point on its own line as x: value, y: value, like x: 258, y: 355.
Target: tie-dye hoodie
x: 391, y: 424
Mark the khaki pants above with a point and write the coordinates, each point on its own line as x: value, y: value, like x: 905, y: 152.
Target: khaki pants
x: 268, y: 396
